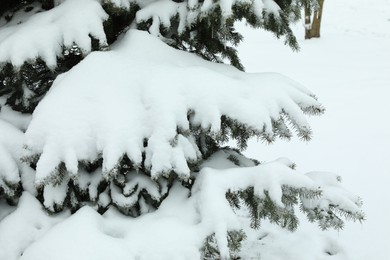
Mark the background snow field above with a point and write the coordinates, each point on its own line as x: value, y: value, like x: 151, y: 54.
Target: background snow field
x: 348, y: 68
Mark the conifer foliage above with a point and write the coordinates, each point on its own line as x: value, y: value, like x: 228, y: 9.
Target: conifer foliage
x: 138, y: 104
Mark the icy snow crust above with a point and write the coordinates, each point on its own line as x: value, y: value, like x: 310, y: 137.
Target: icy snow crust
x: 145, y: 90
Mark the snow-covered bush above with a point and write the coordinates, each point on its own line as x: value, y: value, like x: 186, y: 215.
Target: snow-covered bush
x: 138, y: 104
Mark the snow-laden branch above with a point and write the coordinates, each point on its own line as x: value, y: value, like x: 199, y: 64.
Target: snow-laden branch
x: 144, y: 90
x: 275, y: 188
x: 334, y: 204
x: 162, y: 11
x: 11, y: 140
x: 46, y: 34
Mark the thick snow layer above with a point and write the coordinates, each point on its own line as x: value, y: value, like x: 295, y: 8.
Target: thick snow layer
x: 170, y: 233
x: 27, y: 223
x: 45, y: 34
x: 175, y: 231
x: 143, y: 89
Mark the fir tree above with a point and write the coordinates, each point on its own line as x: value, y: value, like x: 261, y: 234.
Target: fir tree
x: 39, y: 40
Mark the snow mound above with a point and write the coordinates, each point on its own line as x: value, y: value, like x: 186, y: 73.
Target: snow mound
x: 146, y: 97
x: 23, y: 226
x: 45, y: 34
x: 169, y: 233
x: 273, y: 243
x: 177, y: 229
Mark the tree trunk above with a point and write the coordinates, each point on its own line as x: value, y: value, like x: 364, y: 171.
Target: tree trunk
x: 313, y: 27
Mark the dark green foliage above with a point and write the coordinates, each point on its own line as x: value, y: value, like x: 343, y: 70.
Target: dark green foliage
x: 10, y: 192
x: 24, y: 87
x: 252, y: 203
x: 331, y: 217
x: 47, y: 4
x: 91, y: 183
x: 234, y: 159
x: 9, y: 7
x: 119, y: 19
x: 210, y: 37
x: 232, y: 129
x: 233, y: 199
x: 325, y: 218
x: 214, y: 37
x: 263, y: 207
x: 235, y: 239
x: 280, y: 25
x: 209, y: 250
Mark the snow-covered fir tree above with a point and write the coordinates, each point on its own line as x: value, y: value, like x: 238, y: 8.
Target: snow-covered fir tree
x: 130, y: 98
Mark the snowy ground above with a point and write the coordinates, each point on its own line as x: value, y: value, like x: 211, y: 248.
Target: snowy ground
x: 349, y: 70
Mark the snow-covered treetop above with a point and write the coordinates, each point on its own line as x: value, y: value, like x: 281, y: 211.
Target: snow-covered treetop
x: 145, y: 98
